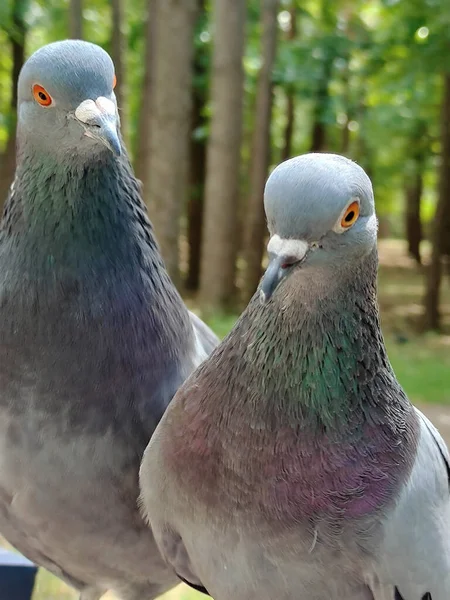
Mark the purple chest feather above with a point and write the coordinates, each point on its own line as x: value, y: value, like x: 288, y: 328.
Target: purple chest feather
x: 290, y: 476
x: 297, y: 416
x: 325, y: 478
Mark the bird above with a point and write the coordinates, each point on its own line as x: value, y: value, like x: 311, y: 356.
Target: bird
x: 94, y: 337
x: 291, y: 464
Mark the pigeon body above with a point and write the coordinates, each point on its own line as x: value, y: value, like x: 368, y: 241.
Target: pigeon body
x: 94, y: 337
x: 291, y: 464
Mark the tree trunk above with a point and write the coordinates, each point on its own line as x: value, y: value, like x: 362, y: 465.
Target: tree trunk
x: 76, y: 19
x: 446, y: 236
x: 432, y: 315
x: 345, y: 138
x: 286, y: 151
x: 197, y: 171
x: 16, y: 38
x: 118, y: 54
x: 413, y: 195
x: 219, y: 245
x: 142, y: 159
x: 255, y: 220
x: 363, y: 153
x: 318, y: 136
x: 415, y: 168
x: 195, y: 211
x: 170, y: 124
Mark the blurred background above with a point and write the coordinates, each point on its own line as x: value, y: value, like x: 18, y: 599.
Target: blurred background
x: 213, y: 94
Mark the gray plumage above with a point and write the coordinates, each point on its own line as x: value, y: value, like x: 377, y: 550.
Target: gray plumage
x: 94, y: 337
x: 303, y: 471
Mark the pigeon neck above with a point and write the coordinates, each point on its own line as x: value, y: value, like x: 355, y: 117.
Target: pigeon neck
x: 84, y: 227
x: 78, y: 213
x: 307, y: 390
x: 325, y: 362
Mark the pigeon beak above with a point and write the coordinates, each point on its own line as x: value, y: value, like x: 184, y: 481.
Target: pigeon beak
x: 99, y: 120
x: 280, y: 266
x: 271, y: 278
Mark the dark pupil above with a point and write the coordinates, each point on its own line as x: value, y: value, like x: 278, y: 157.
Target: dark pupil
x: 349, y: 216
x: 42, y: 96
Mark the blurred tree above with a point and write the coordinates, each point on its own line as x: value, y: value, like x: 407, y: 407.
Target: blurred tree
x: 414, y: 188
x: 198, y: 150
x: 345, y: 140
x: 143, y: 153
x: 432, y: 313
x: 219, y: 244
x: 413, y: 195
x: 346, y: 19
x: 76, y: 19
x: 16, y: 34
x: 363, y: 78
x: 170, y: 124
x: 290, y: 91
x: 118, y: 54
x: 322, y: 95
x: 318, y: 134
x: 255, y: 221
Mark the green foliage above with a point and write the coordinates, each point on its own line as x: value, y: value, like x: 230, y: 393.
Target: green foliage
x: 368, y: 71
x: 380, y: 62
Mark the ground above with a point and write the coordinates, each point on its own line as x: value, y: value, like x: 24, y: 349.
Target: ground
x: 421, y: 362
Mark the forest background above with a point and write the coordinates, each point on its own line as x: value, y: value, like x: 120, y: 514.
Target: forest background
x: 213, y: 94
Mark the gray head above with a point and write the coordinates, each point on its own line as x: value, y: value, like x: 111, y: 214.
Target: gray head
x: 321, y: 217
x: 66, y: 100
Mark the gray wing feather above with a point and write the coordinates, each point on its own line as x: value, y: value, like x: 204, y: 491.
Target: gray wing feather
x: 206, y: 340
x: 175, y: 553
x: 415, y: 555
x: 442, y: 446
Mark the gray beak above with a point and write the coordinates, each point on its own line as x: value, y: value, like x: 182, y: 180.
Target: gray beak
x: 105, y: 131
x: 100, y: 121
x: 284, y: 254
x: 272, y: 277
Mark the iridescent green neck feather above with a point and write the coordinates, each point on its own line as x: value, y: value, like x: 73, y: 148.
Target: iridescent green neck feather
x: 318, y: 362
x: 303, y: 384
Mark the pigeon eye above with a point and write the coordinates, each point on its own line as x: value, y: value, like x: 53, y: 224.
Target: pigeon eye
x: 350, y: 215
x: 114, y: 81
x: 41, y: 95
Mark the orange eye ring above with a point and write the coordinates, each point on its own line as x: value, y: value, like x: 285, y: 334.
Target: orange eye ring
x: 114, y: 81
x: 351, y: 215
x: 41, y: 95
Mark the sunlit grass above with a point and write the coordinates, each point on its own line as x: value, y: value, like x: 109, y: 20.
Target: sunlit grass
x: 423, y: 368
x: 48, y: 587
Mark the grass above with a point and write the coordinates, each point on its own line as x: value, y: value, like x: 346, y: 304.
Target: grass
x: 48, y: 587
x: 421, y: 362
x: 423, y: 368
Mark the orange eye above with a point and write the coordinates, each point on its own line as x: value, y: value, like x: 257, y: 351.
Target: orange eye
x: 41, y: 95
x: 114, y: 81
x: 350, y: 215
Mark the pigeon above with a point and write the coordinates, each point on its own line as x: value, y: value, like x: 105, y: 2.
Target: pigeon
x: 94, y: 337
x: 291, y: 464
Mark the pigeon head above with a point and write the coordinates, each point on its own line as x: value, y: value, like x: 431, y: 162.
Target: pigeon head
x: 66, y: 102
x: 321, y: 217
